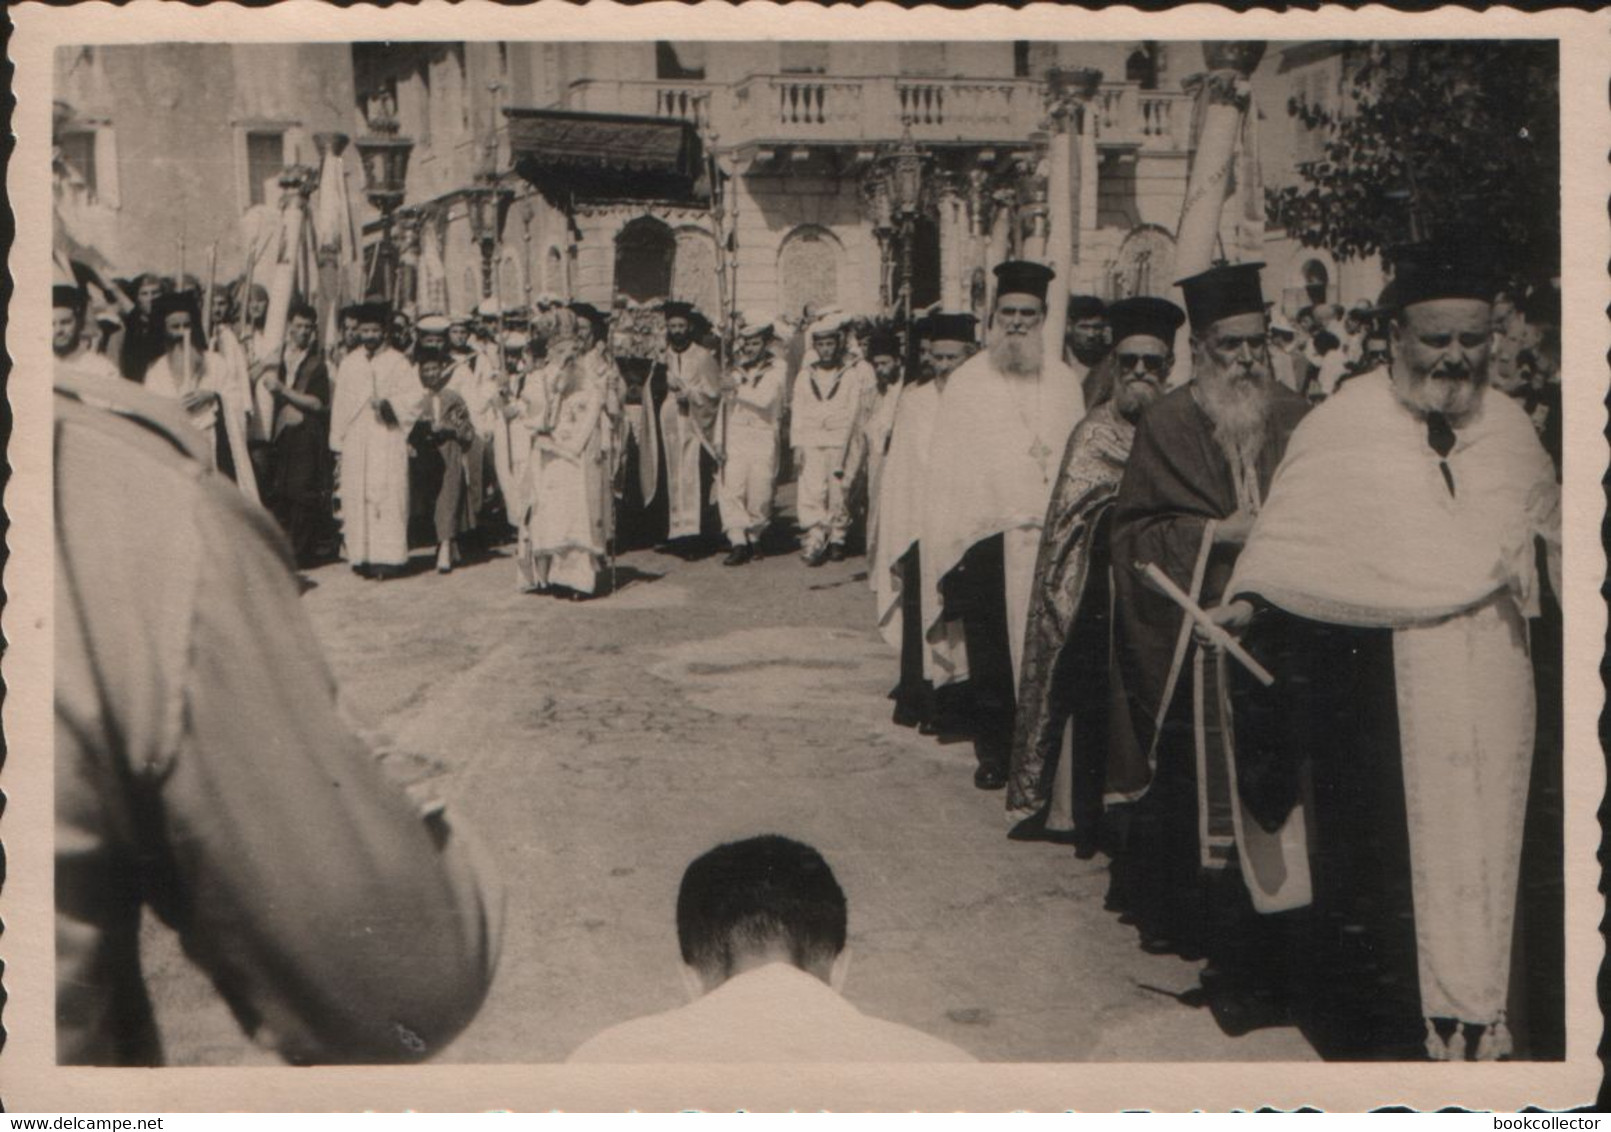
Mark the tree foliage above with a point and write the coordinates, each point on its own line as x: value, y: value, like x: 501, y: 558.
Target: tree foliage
x: 1429, y: 134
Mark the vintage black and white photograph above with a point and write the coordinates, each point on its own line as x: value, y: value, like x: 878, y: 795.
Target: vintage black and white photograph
x: 808, y: 551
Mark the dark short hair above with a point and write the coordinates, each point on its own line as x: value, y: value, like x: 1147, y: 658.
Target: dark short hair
x: 1326, y: 341
x: 749, y: 896
x: 303, y: 310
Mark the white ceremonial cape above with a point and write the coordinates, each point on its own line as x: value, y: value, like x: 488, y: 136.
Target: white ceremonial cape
x: 1361, y: 529
x: 374, y: 456
x: 992, y: 462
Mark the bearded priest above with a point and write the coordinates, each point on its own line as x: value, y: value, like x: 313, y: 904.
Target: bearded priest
x: 998, y: 433
x: 1195, y: 481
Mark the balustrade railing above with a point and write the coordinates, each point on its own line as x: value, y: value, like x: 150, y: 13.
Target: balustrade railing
x: 785, y: 108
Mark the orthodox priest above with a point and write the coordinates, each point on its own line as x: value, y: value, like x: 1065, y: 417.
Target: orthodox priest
x: 692, y: 378
x: 1198, y: 473
x: 1005, y: 417
x: 1388, y: 583
x: 895, y: 561
x: 375, y: 405
x: 1059, y: 754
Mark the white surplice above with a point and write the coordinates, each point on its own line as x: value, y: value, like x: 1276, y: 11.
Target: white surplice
x: 374, y: 456
x: 993, y: 459
x: 1361, y: 528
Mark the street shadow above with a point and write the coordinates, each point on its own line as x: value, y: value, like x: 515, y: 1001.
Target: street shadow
x: 623, y: 577
x: 304, y: 584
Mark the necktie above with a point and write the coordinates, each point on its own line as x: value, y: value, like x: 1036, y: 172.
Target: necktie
x: 1440, y: 437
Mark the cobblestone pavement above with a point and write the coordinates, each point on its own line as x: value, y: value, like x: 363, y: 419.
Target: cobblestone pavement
x: 598, y: 747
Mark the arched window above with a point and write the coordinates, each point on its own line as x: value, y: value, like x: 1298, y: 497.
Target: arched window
x: 808, y: 269
x: 1316, y: 282
x: 644, y: 253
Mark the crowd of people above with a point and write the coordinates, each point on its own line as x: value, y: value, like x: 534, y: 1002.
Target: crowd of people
x: 1256, y: 628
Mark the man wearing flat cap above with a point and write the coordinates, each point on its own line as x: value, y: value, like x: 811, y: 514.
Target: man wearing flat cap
x: 1388, y: 584
x: 374, y: 406
x: 827, y: 395
x: 752, y: 402
x: 1198, y: 474
x: 688, y: 420
x: 1004, y: 419
x: 1059, y: 755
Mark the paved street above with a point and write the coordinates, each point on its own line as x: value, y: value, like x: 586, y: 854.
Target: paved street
x: 599, y: 747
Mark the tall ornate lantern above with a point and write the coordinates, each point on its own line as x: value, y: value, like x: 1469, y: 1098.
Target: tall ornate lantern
x: 385, y: 155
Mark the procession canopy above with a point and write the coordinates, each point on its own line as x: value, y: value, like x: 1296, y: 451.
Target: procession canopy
x: 571, y: 152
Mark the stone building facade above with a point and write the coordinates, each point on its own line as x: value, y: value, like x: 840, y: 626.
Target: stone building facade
x: 788, y: 143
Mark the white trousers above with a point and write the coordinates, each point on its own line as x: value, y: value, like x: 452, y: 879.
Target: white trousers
x: 820, y: 498
x: 748, y: 476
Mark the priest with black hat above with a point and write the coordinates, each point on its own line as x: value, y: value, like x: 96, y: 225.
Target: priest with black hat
x: 1388, y: 584
x: 1059, y: 755
x: 691, y: 378
x: 1002, y: 423
x: 1197, y: 476
x: 376, y: 402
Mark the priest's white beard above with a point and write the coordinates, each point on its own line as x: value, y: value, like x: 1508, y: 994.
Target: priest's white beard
x: 1017, y: 355
x: 1239, y: 409
x: 1456, y: 397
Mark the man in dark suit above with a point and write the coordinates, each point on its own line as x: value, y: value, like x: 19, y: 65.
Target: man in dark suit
x: 299, y: 478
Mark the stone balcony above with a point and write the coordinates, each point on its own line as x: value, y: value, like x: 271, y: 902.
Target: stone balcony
x: 852, y: 110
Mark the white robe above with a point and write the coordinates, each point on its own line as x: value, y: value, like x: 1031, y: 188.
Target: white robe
x: 992, y: 462
x: 374, y: 456
x: 567, y: 484
x: 230, y: 411
x: 695, y: 375
x: 1360, y: 529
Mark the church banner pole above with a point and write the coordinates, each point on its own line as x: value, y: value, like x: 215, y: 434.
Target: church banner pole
x: 1222, y: 99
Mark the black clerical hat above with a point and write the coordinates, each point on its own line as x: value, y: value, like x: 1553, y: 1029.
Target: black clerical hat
x: 953, y: 327
x: 172, y: 303
x: 67, y: 295
x: 1454, y: 264
x: 1144, y: 314
x: 1023, y: 277
x: 1224, y: 290
x: 676, y: 308
x: 1086, y: 306
x: 376, y: 311
x: 923, y: 328
x: 591, y: 313
x: 883, y: 343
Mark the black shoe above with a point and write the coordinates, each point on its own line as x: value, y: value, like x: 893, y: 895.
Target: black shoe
x: 738, y: 556
x: 990, y: 777
x: 836, y: 552
x: 1033, y: 828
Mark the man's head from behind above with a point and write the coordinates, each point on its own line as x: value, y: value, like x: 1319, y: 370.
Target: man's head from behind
x: 763, y: 900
